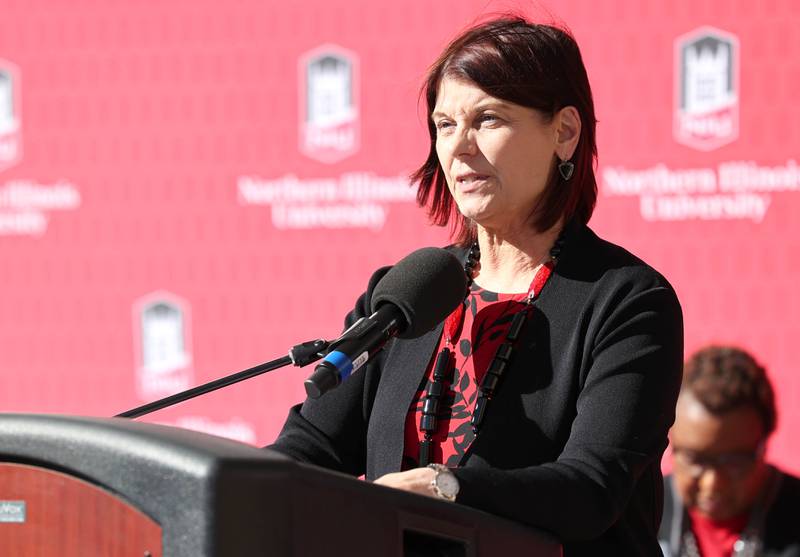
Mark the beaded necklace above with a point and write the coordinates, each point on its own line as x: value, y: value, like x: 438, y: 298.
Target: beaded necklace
x: 436, y: 392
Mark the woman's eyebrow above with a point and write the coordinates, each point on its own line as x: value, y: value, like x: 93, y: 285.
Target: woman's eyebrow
x: 483, y: 105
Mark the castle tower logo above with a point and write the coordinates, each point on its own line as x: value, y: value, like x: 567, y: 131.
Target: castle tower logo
x: 329, y: 109
x: 162, y: 345
x: 10, y: 115
x: 706, y: 89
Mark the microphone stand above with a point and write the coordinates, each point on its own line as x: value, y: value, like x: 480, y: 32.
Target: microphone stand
x: 299, y: 355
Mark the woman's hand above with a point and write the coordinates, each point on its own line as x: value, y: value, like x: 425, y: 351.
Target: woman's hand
x: 416, y: 480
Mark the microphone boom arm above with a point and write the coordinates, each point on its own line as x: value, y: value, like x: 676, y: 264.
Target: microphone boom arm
x: 299, y: 355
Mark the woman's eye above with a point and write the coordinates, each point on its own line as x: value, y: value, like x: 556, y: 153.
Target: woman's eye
x: 488, y: 118
x: 443, y: 124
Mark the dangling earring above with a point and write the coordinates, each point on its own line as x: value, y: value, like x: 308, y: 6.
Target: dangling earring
x: 566, y: 168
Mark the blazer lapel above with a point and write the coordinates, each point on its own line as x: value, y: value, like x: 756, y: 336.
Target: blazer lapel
x: 403, y: 372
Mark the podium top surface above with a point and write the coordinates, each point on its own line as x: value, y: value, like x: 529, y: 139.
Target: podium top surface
x: 64, y: 440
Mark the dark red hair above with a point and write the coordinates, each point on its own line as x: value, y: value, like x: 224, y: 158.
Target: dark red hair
x: 531, y: 65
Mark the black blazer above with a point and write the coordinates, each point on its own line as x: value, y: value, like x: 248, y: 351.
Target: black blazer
x: 573, y: 439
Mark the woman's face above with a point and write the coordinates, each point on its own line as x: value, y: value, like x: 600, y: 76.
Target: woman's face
x: 496, y: 156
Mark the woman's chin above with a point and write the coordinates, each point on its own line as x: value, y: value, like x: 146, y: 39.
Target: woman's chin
x: 503, y: 223
x: 479, y: 214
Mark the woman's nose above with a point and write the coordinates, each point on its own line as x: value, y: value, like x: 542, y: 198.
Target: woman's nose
x: 464, y: 142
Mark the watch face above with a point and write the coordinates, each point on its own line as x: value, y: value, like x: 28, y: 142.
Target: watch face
x: 447, y: 483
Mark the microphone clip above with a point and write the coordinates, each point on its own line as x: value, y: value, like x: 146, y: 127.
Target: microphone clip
x: 308, y: 352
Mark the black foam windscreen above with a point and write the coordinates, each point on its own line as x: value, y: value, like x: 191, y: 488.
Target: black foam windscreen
x: 427, y: 285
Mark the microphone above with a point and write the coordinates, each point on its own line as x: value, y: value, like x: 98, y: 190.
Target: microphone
x: 420, y: 291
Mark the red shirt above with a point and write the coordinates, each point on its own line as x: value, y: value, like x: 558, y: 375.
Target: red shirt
x: 486, y: 323
x: 715, y: 538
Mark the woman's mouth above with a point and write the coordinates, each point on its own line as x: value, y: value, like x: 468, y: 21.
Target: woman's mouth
x: 471, y: 181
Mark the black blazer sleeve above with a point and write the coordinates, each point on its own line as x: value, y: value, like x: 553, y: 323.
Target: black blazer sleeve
x: 331, y: 431
x: 628, y: 346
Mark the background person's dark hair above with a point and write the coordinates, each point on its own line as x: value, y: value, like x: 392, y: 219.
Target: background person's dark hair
x: 532, y: 65
x: 725, y: 378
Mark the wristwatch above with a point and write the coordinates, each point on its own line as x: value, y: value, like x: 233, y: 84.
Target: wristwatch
x: 444, y: 482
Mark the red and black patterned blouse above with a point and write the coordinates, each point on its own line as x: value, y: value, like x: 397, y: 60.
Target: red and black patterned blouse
x: 486, y: 323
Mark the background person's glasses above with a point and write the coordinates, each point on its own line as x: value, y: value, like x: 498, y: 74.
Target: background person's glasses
x: 734, y: 464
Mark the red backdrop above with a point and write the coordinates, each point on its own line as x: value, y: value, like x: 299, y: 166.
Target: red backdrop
x: 187, y: 188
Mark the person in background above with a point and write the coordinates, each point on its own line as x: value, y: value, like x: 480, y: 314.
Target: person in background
x: 723, y: 498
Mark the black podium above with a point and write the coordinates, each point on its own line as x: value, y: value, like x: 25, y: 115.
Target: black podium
x: 75, y: 486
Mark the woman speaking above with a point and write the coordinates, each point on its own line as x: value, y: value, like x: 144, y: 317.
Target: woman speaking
x: 547, y: 395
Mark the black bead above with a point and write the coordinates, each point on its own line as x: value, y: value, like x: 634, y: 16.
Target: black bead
x: 424, y: 453
x: 497, y: 367
x: 431, y: 406
x: 504, y: 351
x: 427, y: 423
x: 489, y: 383
x: 479, y: 412
x: 435, y: 389
x: 441, y: 370
x: 516, y: 325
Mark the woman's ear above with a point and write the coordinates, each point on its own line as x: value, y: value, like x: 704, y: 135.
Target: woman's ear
x: 568, y: 132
